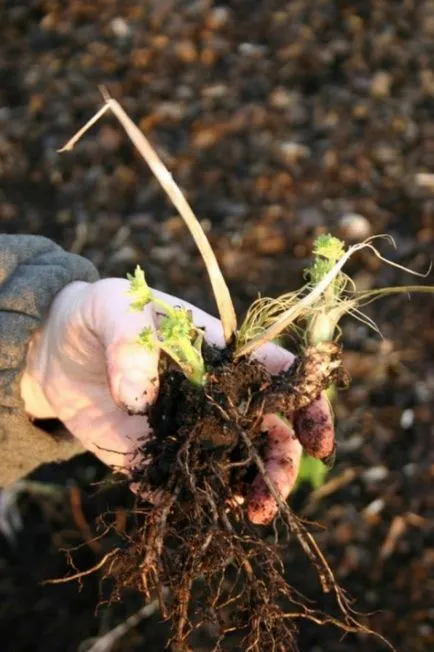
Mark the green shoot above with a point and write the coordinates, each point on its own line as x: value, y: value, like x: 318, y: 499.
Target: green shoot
x: 328, y: 310
x: 176, y: 334
x: 327, y: 251
x: 328, y: 295
x: 147, y: 339
x: 318, y: 307
x: 139, y: 291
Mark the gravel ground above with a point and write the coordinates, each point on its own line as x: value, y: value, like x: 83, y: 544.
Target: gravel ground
x: 280, y: 120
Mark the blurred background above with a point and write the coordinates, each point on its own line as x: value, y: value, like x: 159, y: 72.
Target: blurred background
x: 280, y: 120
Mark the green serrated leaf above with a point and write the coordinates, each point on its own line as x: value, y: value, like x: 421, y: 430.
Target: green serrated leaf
x: 147, y: 339
x: 329, y: 247
x: 139, y: 291
x: 178, y: 326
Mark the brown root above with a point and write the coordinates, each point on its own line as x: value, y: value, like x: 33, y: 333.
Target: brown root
x: 207, y: 447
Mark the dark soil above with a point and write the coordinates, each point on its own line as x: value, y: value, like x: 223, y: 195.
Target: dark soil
x: 280, y: 120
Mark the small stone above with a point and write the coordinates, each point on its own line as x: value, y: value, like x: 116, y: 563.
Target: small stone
x: 125, y: 254
x: 173, y: 226
x: 171, y: 111
x: 428, y: 26
x: 186, y: 51
x: 164, y: 254
x: 375, y: 474
x: 380, y: 84
x: 218, y: 17
x: 215, y: 91
x: 374, y: 508
x: 354, y: 227
x: 423, y: 392
x: 352, y: 444
x: 293, y: 152
x: 344, y: 533
x: 206, y: 137
x: 410, y: 469
x: 280, y: 98
x: 425, y: 180
x: 120, y: 27
x: 385, y: 154
x: 427, y: 80
x: 7, y: 211
x: 407, y: 419
x: 140, y: 221
x: 361, y: 111
x: 5, y: 113
x: 252, y: 50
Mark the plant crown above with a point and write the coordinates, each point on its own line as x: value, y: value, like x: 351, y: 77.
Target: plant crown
x: 176, y: 334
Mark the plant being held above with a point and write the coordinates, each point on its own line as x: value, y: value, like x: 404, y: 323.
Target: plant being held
x: 209, y: 441
x: 176, y: 333
x: 328, y: 295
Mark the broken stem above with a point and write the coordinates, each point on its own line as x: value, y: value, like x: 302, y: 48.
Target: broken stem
x: 220, y: 289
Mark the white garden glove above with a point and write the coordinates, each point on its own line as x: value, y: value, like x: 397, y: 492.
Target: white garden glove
x: 86, y: 368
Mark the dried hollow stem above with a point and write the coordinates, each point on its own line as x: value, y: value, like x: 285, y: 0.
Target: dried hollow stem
x: 148, y: 153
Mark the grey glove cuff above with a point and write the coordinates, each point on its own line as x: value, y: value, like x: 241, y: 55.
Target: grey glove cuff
x: 32, y: 271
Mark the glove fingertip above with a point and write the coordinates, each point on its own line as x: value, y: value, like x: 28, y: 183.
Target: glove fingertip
x: 133, y: 376
x: 315, y: 431
x: 262, y: 507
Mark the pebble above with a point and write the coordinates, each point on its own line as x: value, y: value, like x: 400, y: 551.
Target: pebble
x: 425, y: 180
x: 423, y: 392
x: 215, y: 91
x: 280, y: 98
x: 120, y: 27
x: 186, y: 51
x: 252, y: 50
x: 351, y: 444
x: 126, y: 254
x: 292, y: 152
x: 354, y: 227
x: 375, y: 474
x: 380, y: 84
x: 374, y: 508
x: 218, y: 17
x: 407, y: 419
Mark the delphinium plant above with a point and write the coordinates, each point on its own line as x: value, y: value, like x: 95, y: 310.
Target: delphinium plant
x: 208, y: 442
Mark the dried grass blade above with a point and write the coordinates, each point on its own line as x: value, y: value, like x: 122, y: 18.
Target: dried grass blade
x: 220, y: 289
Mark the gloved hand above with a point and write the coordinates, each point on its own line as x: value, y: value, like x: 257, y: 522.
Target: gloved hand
x: 85, y: 368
